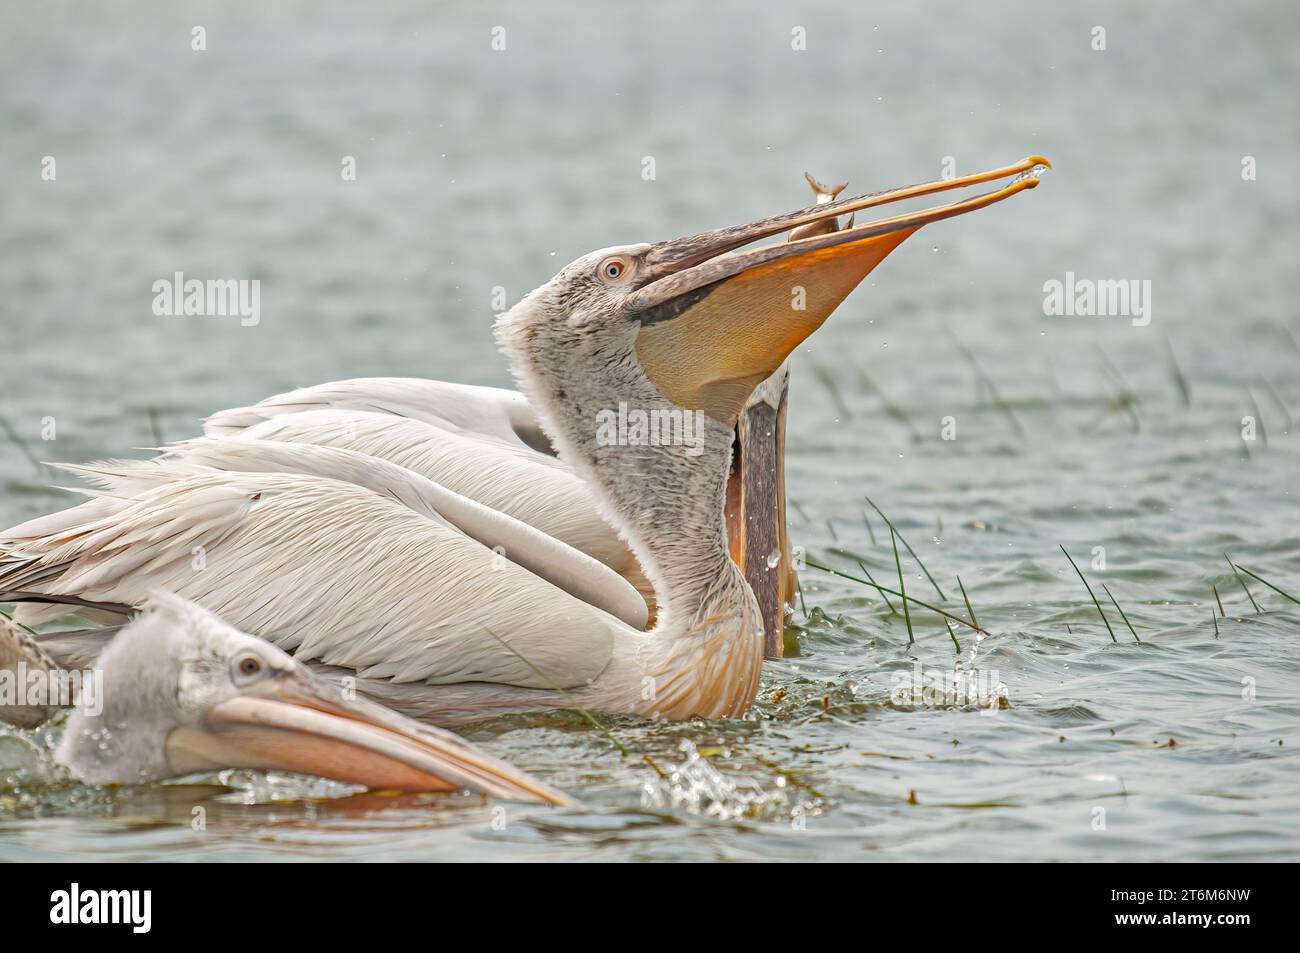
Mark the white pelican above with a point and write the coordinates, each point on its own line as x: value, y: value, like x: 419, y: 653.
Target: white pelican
x: 183, y: 692
x: 392, y: 575
x: 486, y: 443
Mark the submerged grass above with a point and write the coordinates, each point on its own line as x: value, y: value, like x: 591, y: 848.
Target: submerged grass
x: 827, y: 381
x: 1274, y: 396
x: 987, y: 383
x: 1180, y: 381
x: 866, y: 520
x: 155, y: 426
x: 1125, y: 398
x: 18, y: 442
x: 793, y: 779
x: 1259, y: 418
x: 891, y: 408
x: 591, y: 719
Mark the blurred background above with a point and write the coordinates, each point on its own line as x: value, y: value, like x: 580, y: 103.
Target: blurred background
x: 479, y: 168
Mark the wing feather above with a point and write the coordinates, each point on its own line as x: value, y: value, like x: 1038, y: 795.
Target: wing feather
x: 534, y: 489
x: 570, y: 569
x: 340, y: 573
x: 504, y: 415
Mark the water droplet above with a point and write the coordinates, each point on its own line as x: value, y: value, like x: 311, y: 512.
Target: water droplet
x: 773, y: 558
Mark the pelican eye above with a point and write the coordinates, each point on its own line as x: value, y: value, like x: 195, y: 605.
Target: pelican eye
x: 613, y: 269
x: 248, y: 667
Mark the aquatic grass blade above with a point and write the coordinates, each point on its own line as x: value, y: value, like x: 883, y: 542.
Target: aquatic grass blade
x: 1121, y: 612
x: 1091, y: 593
x: 908, y: 546
x: 1280, y: 592
x: 965, y: 598
x: 1245, y: 588
x: 867, y: 572
x: 952, y: 635
x: 556, y: 688
x: 902, y: 586
x: 883, y: 589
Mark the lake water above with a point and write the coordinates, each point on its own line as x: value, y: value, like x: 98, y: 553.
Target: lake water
x: 479, y: 169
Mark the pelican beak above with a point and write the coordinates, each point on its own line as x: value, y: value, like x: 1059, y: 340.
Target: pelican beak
x: 296, y: 722
x: 717, y: 318
x: 760, y: 542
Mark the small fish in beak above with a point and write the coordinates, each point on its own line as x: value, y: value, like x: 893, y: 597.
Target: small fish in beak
x: 717, y: 317
x: 824, y: 196
x: 183, y: 692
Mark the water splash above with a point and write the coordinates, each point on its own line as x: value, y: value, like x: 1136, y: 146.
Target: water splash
x: 697, y: 787
x: 951, y: 689
x: 258, y: 787
x: 1035, y: 173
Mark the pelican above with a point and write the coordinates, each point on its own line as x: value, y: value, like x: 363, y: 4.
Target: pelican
x: 182, y: 693
x: 450, y: 608
x: 486, y: 442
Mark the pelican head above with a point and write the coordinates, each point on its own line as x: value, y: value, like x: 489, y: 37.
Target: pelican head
x: 704, y: 318
x: 184, y: 692
x: 695, y: 324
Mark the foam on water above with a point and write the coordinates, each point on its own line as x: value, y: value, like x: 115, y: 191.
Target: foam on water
x: 697, y: 787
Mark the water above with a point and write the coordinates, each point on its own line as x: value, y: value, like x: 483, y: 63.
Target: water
x: 479, y: 169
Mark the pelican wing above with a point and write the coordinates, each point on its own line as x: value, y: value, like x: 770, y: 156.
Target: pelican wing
x: 337, y: 572
x: 562, y: 565
x: 490, y: 411
x: 511, y: 479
